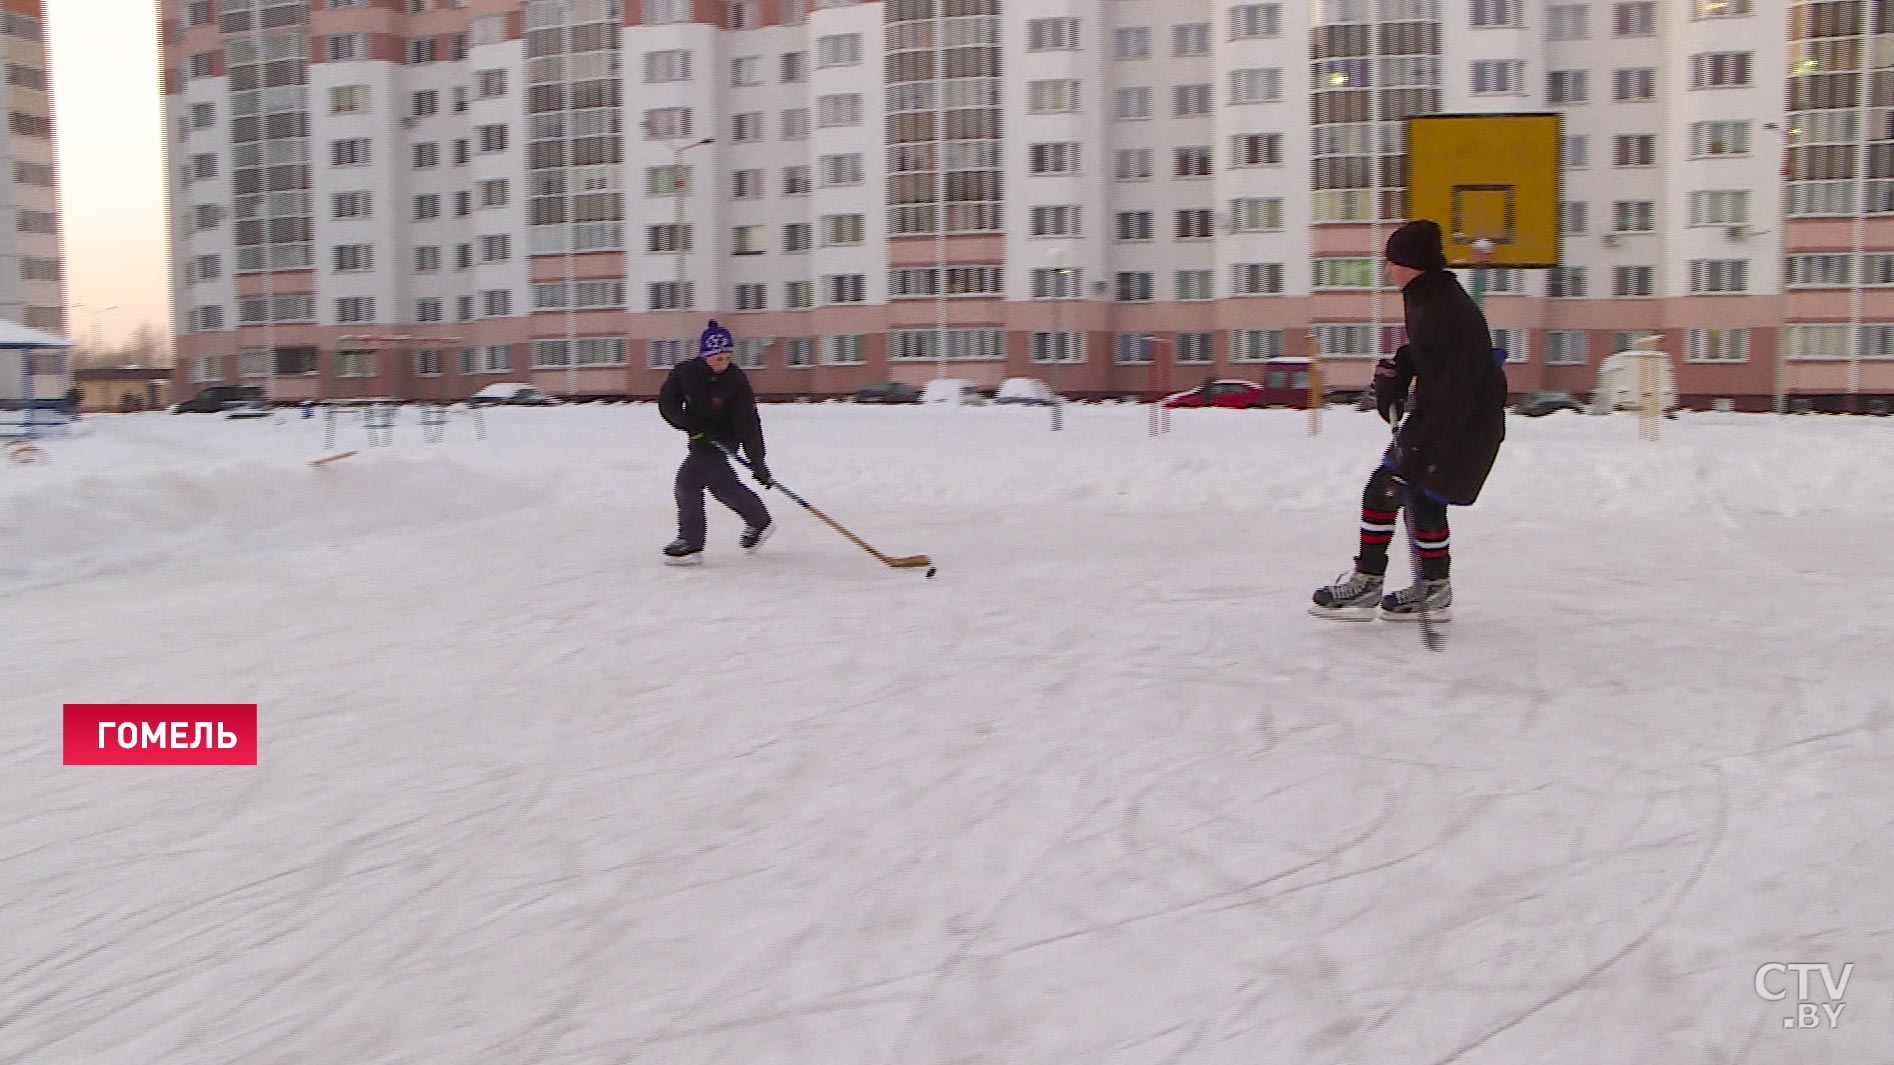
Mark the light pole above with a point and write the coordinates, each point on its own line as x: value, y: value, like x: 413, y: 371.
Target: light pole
x: 677, y: 239
x: 97, y: 313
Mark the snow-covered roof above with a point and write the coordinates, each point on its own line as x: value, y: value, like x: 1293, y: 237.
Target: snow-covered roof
x: 15, y: 335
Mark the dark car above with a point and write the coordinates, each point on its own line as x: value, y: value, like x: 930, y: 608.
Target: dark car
x: 888, y: 392
x: 1540, y: 404
x: 212, y: 400
x: 512, y: 394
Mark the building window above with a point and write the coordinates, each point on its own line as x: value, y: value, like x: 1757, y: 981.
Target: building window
x: 667, y: 123
x: 1633, y: 216
x: 1574, y: 216
x: 1495, y: 12
x: 1195, y: 223
x: 1190, y: 38
x: 1131, y: 105
x: 1255, y: 85
x: 1711, y: 139
x: 668, y: 296
x: 1055, y: 221
x: 838, y: 50
x: 492, y: 138
x: 1719, y: 275
x: 799, y: 353
x: 844, y: 350
x: 1058, y: 158
x: 351, y: 152
x: 1567, y: 22
x: 496, y: 248
x: 1574, y: 151
x: 354, y: 363
x: 669, y: 65
x: 1055, y: 96
x: 428, y: 310
x: 1194, y: 349
x: 348, y: 99
x: 752, y: 297
x: 1717, y: 70
x: 1131, y: 349
x: 1131, y: 42
x: 354, y: 310
x: 796, y: 124
x: 1514, y: 343
x: 1826, y: 270
x: 844, y: 288
x: 1632, y: 281
x: 1057, y: 283
x: 747, y: 184
x: 490, y: 84
x: 1190, y: 101
x: 663, y: 354
x: 1719, y: 207
x: 746, y: 71
x: 427, y: 206
x: 794, y: 68
x: 1565, y: 282
x: 1133, y: 164
x: 746, y: 128
x: 349, y: 205
x: 1193, y: 162
x: 839, y: 109
x: 1256, y: 279
x: 1568, y: 86
x: 1196, y: 285
x: 354, y: 258
x: 797, y: 237
x: 1058, y: 347
x: 1136, y: 286
x: 1052, y: 35
x: 668, y: 239
x: 421, y: 50
x: 1638, y: 149
x: 1498, y: 77
x: 1345, y: 273
x: 1716, y: 345
x: 1249, y: 21
x: 1256, y: 214
x: 1134, y: 225
x: 664, y: 12
x: 1566, y: 347
x: 1256, y: 149
x: 1634, y: 19
x: 1255, y: 345
x: 1634, y: 84
x: 841, y: 230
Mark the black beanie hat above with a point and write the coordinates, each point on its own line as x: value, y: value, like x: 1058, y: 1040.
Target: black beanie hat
x: 1417, y: 245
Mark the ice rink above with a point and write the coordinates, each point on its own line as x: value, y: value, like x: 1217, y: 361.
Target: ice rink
x: 1101, y: 793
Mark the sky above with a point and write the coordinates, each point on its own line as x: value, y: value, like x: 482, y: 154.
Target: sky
x: 109, y: 120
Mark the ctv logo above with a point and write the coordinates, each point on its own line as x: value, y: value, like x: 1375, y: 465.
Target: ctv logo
x: 1773, y: 981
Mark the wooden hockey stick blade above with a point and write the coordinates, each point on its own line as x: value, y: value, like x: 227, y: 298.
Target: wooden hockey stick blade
x: 331, y: 458
x: 907, y: 562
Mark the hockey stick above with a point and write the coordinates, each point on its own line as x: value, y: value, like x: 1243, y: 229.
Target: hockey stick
x: 1431, y: 637
x: 895, y: 562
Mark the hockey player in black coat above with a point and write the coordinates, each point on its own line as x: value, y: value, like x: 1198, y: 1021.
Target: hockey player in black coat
x: 710, y: 400
x: 1443, y: 449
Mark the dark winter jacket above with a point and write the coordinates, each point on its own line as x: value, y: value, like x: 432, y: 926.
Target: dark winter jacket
x: 718, y: 405
x: 1457, y: 417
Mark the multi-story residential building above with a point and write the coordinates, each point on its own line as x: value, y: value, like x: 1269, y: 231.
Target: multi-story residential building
x: 416, y: 197
x: 32, y: 268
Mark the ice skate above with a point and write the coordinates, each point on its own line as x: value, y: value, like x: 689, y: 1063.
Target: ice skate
x: 753, y: 537
x: 1353, y: 597
x: 1435, y: 597
x: 680, y: 553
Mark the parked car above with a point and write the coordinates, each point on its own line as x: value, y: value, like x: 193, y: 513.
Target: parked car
x: 955, y: 392
x: 1231, y: 393
x: 1540, y: 404
x: 254, y: 408
x: 512, y: 394
x: 216, y: 398
x: 888, y: 392
x: 1030, y: 391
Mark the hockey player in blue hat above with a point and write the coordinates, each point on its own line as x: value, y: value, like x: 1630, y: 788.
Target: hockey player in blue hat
x: 710, y: 400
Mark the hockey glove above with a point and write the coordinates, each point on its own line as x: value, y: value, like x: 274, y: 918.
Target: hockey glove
x: 1391, y: 379
x: 760, y: 471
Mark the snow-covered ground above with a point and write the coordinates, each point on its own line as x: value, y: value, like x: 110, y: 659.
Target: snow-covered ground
x: 1100, y: 793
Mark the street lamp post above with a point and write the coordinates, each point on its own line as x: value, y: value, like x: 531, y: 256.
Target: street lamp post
x: 97, y: 314
x: 677, y: 240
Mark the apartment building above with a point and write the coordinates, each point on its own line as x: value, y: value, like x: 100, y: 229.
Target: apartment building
x: 32, y: 268
x: 413, y: 198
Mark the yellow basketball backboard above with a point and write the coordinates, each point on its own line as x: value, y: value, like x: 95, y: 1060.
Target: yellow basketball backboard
x: 1491, y: 177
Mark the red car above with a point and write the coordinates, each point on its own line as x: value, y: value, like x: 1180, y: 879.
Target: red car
x: 1221, y: 394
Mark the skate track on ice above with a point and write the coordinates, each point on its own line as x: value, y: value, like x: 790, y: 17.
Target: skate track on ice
x: 1100, y: 793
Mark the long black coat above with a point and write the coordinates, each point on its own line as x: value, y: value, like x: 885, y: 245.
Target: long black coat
x: 1457, y: 418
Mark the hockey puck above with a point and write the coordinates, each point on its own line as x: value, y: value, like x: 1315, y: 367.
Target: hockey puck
x: 930, y: 572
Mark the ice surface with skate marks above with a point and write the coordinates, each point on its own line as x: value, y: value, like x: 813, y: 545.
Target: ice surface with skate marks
x: 1100, y: 793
